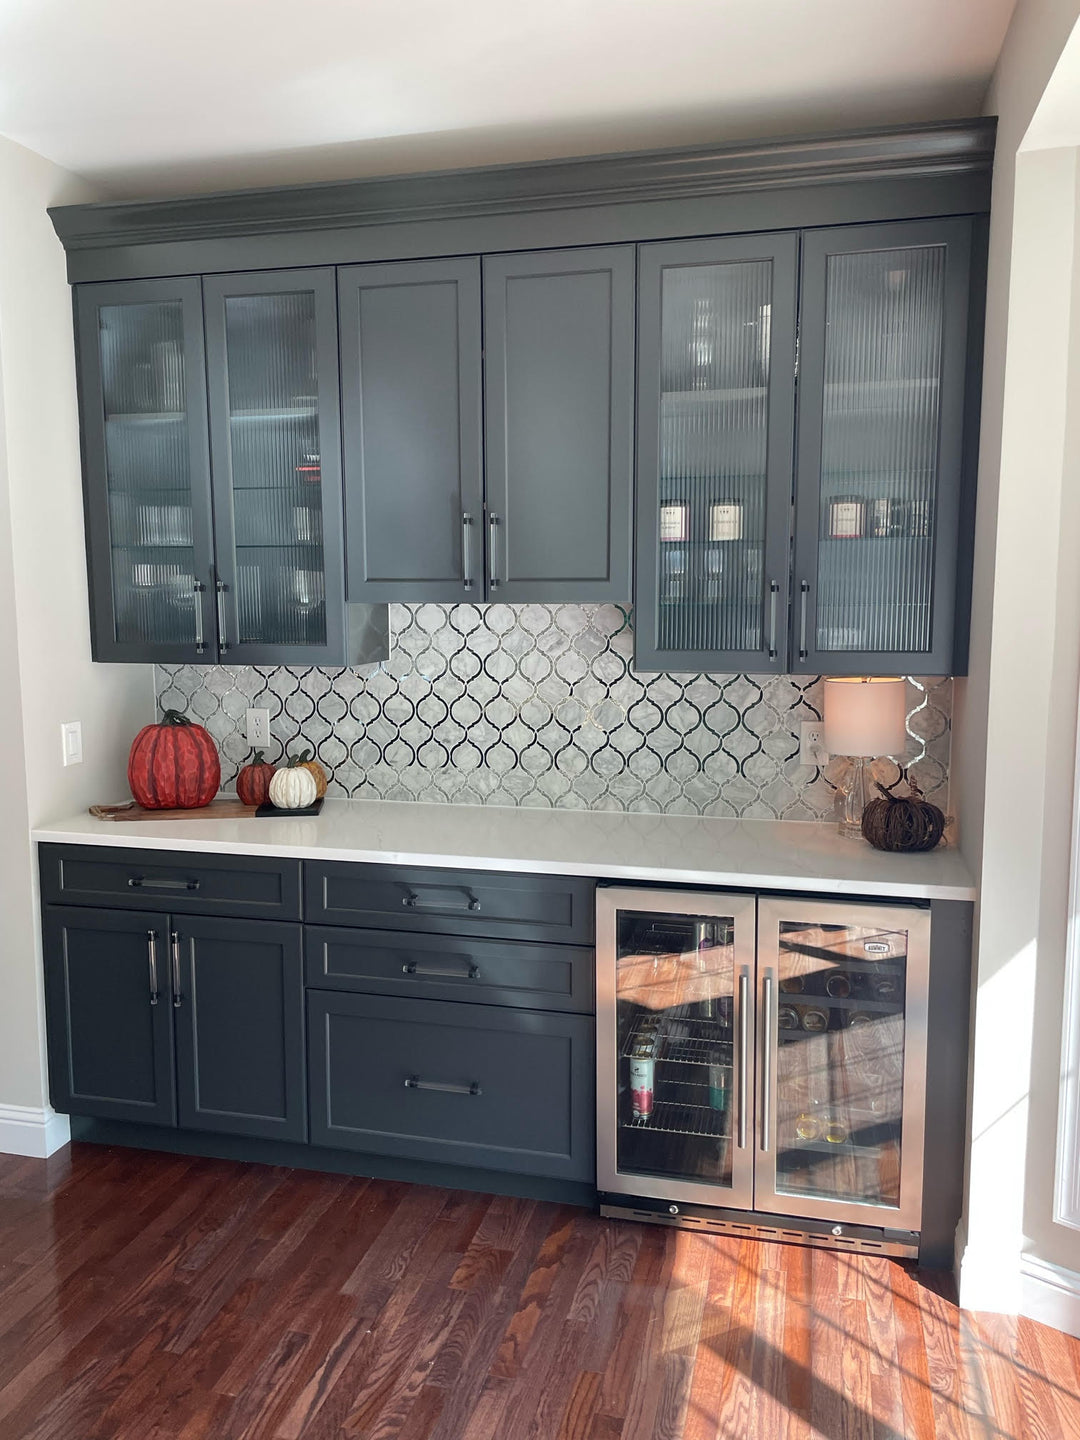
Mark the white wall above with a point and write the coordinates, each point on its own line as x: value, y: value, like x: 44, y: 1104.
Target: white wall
x: 1015, y: 716
x: 44, y: 626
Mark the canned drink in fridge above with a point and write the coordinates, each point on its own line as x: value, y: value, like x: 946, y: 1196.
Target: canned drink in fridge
x: 642, y: 1068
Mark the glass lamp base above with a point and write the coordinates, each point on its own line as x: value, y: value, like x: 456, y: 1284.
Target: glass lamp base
x: 854, y: 800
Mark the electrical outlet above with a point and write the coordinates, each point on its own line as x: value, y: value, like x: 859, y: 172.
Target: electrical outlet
x: 258, y: 729
x: 812, y: 744
x: 71, y: 742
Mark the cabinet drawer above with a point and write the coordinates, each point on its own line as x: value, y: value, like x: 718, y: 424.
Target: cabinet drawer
x: 464, y: 1084
x: 181, y: 883
x: 450, y: 902
x: 491, y: 972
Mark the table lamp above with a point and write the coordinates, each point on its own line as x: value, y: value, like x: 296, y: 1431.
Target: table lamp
x: 864, y: 718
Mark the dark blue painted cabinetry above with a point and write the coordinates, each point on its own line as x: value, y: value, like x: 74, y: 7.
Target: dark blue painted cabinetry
x: 448, y: 1015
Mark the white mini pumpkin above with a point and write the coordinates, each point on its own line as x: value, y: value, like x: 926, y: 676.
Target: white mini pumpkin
x: 293, y: 788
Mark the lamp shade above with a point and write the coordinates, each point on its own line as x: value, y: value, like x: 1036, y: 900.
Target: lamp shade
x: 865, y: 717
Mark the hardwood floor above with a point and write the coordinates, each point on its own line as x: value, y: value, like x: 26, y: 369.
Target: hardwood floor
x: 157, y: 1297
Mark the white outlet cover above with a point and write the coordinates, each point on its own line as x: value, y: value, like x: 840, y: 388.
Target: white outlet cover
x: 258, y: 729
x: 812, y: 749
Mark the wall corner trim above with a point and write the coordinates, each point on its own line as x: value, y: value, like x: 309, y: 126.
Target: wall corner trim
x: 26, y: 1130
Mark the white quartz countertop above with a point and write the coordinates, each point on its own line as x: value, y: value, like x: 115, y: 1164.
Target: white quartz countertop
x: 675, y: 849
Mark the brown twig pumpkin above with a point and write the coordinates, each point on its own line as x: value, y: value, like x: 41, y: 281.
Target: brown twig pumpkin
x: 902, y: 822
x: 173, y: 765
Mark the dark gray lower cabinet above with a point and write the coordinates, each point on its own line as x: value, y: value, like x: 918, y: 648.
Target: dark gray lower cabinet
x: 109, y: 1017
x: 239, y: 1014
x: 510, y: 1090
x: 176, y: 1019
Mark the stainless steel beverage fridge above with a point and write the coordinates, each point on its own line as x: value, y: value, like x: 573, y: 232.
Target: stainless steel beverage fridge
x: 761, y: 1065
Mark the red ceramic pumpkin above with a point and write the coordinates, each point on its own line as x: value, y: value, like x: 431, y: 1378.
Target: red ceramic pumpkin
x: 253, y: 781
x: 173, y: 765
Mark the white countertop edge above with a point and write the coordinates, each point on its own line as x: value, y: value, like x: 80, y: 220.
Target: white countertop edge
x: 85, y: 831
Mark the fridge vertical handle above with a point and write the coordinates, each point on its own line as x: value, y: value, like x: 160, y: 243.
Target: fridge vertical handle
x: 744, y: 1053
x: 766, y: 1060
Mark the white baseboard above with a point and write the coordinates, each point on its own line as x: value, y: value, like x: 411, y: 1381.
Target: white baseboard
x: 1050, y: 1294
x: 25, y: 1130
x: 988, y: 1278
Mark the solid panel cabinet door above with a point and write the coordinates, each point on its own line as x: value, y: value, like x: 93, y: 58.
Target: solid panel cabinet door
x: 238, y: 998
x: 272, y: 376
x: 881, y: 484
x: 716, y: 384
x: 146, y: 461
x: 411, y: 411
x: 109, y: 1018
x: 559, y: 390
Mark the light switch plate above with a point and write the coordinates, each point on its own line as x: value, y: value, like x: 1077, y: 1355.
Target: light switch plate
x: 71, y: 741
x: 812, y: 744
x: 258, y: 729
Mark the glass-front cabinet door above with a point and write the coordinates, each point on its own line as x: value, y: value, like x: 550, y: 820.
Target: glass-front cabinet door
x: 841, y: 1061
x: 147, y: 470
x: 716, y: 377
x: 272, y: 371
x: 674, y: 1045
x: 883, y: 342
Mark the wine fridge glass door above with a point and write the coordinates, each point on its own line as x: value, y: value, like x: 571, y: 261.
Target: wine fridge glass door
x: 842, y: 1061
x: 676, y: 1041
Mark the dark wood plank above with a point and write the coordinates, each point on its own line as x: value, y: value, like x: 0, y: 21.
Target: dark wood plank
x: 148, y: 1297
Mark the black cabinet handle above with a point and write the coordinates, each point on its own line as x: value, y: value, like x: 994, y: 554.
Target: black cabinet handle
x: 466, y: 550
x: 174, y: 940
x: 804, y: 591
x: 140, y: 882
x: 413, y: 1082
x: 151, y: 948
x: 412, y: 968
x: 413, y: 901
x: 223, y: 643
x: 774, y: 590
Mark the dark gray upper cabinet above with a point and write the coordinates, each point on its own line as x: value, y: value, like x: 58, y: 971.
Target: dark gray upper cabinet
x: 558, y: 402
x: 146, y: 466
x: 411, y: 411
x: 881, y: 460
x: 109, y: 1014
x: 238, y: 998
x: 716, y: 381
x: 275, y: 435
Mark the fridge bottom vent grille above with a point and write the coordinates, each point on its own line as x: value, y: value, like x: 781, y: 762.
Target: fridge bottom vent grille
x: 748, y: 1230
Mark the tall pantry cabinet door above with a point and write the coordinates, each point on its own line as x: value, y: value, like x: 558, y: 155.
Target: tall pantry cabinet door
x: 411, y: 410
x: 272, y: 361
x: 558, y: 392
x: 884, y: 347
x: 109, y: 1017
x: 716, y: 386
x: 146, y: 462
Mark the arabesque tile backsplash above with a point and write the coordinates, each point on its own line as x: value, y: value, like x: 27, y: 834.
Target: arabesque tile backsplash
x: 540, y: 705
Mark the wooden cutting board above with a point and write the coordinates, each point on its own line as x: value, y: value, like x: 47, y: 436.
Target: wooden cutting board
x: 216, y: 810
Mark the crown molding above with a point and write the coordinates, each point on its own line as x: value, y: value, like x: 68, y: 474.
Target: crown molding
x: 962, y: 147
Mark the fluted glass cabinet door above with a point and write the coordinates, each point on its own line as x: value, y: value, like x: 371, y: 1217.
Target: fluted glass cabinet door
x: 716, y: 375
x: 884, y: 331
x: 143, y: 402
x: 275, y: 442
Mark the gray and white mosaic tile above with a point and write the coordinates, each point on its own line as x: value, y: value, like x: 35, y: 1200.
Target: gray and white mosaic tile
x: 540, y: 705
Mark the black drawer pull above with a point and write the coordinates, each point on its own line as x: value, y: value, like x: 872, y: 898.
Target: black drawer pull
x: 413, y: 1082
x: 140, y: 882
x: 413, y: 901
x: 412, y: 968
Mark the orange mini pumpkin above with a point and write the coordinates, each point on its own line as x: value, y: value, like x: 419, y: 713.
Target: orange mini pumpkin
x: 306, y: 760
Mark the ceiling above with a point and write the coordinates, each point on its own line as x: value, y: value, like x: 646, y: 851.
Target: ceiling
x: 145, y: 98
